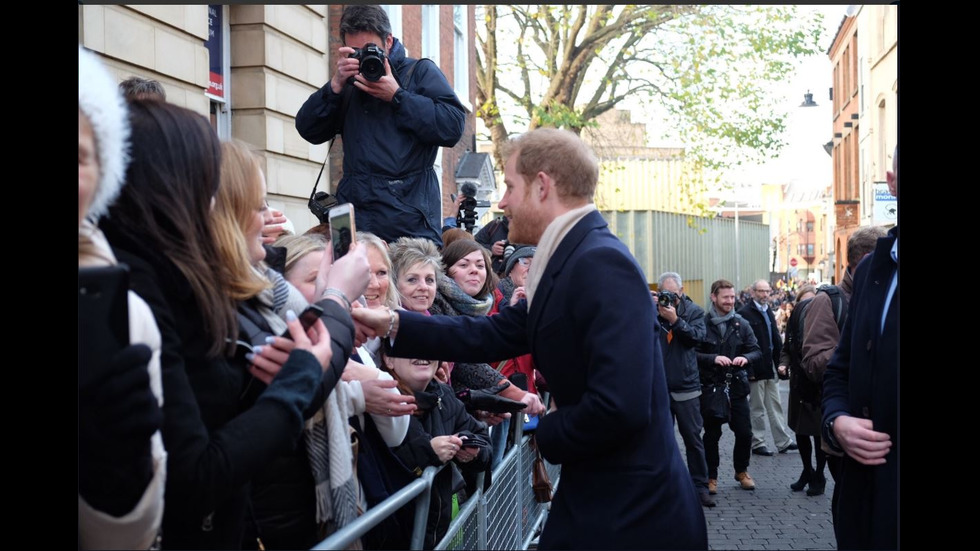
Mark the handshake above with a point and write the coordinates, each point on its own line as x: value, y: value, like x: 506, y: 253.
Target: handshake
x: 487, y: 399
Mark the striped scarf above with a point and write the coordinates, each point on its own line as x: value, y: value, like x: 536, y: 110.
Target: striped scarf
x: 328, y: 447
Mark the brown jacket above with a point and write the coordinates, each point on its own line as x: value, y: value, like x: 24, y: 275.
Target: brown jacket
x: 820, y: 332
x: 821, y: 335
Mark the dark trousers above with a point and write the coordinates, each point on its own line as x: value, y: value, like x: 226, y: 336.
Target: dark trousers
x: 687, y: 415
x: 834, y: 465
x: 741, y: 425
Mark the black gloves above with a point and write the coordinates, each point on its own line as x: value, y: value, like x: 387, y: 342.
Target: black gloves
x: 487, y: 400
x: 117, y: 414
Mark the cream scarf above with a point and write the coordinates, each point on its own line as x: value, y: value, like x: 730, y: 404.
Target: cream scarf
x: 553, y: 235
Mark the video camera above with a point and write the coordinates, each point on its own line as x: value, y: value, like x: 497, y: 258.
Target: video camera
x: 467, y: 208
x: 372, y: 59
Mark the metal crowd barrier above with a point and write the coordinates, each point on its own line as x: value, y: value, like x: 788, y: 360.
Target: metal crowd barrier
x: 419, y: 490
x: 505, y: 517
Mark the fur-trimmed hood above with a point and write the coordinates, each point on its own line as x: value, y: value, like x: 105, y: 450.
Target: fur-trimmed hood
x: 100, y: 100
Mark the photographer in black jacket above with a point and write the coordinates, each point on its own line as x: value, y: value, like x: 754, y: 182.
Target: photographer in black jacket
x: 683, y: 330
x: 395, y: 121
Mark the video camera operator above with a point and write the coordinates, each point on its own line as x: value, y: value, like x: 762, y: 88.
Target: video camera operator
x: 392, y: 121
x: 466, y: 218
x: 493, y: 236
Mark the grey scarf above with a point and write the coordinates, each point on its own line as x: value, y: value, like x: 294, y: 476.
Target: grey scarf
x: 720, y: 320
x: 459, y: 301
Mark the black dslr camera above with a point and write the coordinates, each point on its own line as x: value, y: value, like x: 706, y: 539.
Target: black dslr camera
x: 467, y: 208
x: 372, y: 59
x: 667, y: 298
x: 320, y: 204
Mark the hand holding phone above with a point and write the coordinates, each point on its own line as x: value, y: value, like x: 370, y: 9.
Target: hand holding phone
x: 310, y: 315
x: 103, y: 319
x: 342, y: 229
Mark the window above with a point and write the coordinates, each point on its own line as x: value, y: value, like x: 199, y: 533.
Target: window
x: 882, y: 24
x: 809, y: 226
x: 430, y: 32
x: 430, y: 49
x: 881, y: 157
x: 809, y: 249
x: 461, y: 57
x: 394, y: 12
x: 856, y: 166
x: 854, y: 65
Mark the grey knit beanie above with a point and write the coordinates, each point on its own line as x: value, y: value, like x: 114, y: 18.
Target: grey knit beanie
x: 523, y: 252
x: 101, y: 102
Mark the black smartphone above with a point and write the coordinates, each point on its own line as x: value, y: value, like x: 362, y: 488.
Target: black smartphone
x: 310, y: 315
x: 103, y: 317
x: 342, y: 229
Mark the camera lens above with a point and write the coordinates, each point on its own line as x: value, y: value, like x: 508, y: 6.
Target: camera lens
x: 373, y: 68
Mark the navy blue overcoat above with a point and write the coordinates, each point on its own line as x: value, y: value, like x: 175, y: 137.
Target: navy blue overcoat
x: 593, y: 335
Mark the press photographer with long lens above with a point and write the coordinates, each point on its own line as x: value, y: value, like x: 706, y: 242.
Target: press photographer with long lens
x: 393, y: 112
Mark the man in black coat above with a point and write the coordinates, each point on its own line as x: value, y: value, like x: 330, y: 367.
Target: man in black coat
x: 682, y: 322
x: 728, y: 350
x: 860, y: 400
x: 392, y: 129
x: 764, y: 387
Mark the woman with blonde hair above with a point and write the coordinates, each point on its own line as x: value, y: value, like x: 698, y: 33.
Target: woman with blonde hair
x: 415, y: 261
x: 301, y: 266
x: 297, y: 484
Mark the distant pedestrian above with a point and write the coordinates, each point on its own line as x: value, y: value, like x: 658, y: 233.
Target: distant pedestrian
x: 764, y: 396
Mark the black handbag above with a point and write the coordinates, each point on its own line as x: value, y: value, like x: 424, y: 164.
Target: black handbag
x: 715, y: 404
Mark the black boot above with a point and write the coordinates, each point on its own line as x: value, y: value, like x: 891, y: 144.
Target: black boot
x: 805, y: 477
x: 817, y: 483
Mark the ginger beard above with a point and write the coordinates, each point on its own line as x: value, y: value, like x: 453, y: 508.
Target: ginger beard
x: 522, y: 205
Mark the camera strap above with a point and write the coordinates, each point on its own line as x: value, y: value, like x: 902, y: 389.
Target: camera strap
x: 345, y: 95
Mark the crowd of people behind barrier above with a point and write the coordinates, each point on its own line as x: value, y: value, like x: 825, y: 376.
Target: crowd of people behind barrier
x: 227, y: 399
x: 223, y: 422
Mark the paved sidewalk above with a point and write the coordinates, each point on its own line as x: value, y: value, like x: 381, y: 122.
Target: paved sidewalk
x: 772, y: 516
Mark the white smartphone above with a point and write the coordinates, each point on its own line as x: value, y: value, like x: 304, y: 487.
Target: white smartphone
x: 342, y: 229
